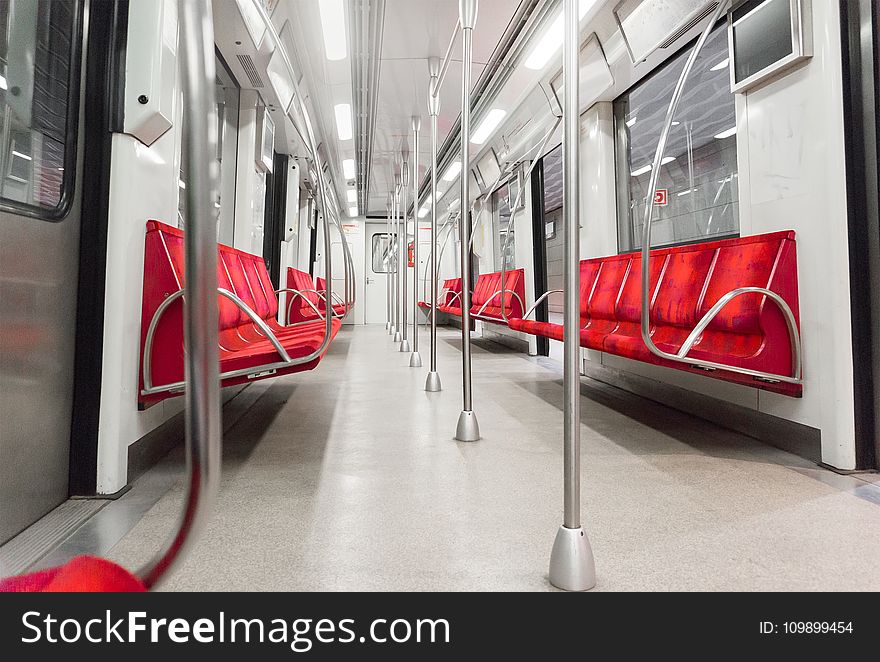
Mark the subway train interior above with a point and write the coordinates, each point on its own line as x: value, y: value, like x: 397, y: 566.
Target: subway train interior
x: 348, y: 295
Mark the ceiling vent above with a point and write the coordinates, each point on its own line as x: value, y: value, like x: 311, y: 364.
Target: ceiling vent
x: 648, y: 25
x: 250, y: 70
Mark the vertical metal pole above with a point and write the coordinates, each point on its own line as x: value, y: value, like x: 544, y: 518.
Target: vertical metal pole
x: 415, y: 359
x: 396, y: 207
x: 571, y: 563
x: 432, y: 383
x: 404, y: 251
x: 202, y: 362
x: 467, y: 429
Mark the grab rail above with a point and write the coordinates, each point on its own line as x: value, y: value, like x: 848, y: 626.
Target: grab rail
x: 298, y: 293
x: 502, y: 306
x: 149, y: 389
x: 202, y: 421
x: 312, y: 146
x: 515, y: 207
x: 794, y: 335
x: 540, y: 300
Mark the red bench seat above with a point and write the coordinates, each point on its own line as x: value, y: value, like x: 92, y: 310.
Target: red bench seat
x: 243, y: 345
x: 487, y: 299
x: 685, y: 282
x: 447, y: 295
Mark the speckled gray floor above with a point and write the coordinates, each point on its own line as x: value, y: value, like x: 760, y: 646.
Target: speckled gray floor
x: 347, y: 478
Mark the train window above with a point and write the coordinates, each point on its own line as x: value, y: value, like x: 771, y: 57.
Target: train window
x: 699, y: 195
x: 381, y: 252
x: 501, y: 201
x: 39, y: 71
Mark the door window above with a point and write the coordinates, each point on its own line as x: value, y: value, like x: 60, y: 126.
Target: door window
x: 39, y: 96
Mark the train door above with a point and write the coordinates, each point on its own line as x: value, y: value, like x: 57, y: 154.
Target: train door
x: 377, y: 246
x: 40, y: 192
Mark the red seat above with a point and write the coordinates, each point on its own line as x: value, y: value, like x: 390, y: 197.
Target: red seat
x: 338, y: 308
x: 626, y: 339
x: 589, y: 271
x: 487, y: 299
x: 243, y: 344
x: 308, y: 304
x: 83, y: 574
x: 447, y: 295
x: 686, y: 281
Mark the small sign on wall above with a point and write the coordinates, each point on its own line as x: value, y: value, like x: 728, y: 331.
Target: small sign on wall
x: 661, y: 197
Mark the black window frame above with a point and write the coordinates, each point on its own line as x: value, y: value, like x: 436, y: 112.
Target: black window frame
x: 620, y: 163
x: 71, y: 150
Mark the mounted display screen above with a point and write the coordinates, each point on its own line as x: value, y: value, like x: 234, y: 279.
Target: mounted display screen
x: 766, y: 36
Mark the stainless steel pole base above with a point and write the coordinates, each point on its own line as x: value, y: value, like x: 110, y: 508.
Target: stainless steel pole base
x: 404, y: 346
x: 391, y: 330
x: 432, y: 383
x: 397, y: 336
x: 387, y: 325
x: 467, y: 429
x: 415, y: 360
x: 572, y: 567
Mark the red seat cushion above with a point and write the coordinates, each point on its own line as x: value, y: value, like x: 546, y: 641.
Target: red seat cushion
x: 626, y: 339
x: 83, y: 574
x: 545, y: 329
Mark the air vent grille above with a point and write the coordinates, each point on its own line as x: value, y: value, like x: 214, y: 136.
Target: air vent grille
x: 675, y: 36
x: 250, y: 70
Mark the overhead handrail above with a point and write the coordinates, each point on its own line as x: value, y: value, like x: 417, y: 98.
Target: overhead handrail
x: 312, y: 145
x: 202, y: 420
x: 446, y: 227
x: 515, y: 207
x: 681, y: 356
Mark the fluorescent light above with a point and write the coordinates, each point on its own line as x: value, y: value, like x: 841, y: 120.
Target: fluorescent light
x: 3, y: 83
x: 488, y: 125
x: 632, y: 122
x: 552, y: 39
x: 721, y: 65
x: 688, y: 192
x: 726, y: 134
x: 650, y: 167
x: 676, y: 123
x: 348, y: 170
x: 353, y: 211
x: 352, y: 195
x: 452, y: 172
x: 26, y: 157
x: 181, y: 184
x: 333, y: 26
x: 343, y: 121
x: 549, y: 43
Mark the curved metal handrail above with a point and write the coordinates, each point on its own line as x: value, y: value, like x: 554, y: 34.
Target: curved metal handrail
x: 448, y: 227
x: 646, y: 250
x: 515, y: 207
x: 502, y: 306
x: 540, y: 300
x: 301, y: 294
x: 203, y: 427
x: 264, y: 328
x: 312, y: 145
x: 790, y: 321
